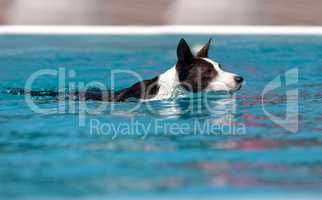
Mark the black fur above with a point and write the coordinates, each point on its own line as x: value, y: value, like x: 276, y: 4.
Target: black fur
x: 141, y: 90
x: 203, y: 52
x: 194, y: 73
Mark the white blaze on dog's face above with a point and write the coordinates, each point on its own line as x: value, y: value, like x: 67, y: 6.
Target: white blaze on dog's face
x: 201, y: 74
x: 223, y: 81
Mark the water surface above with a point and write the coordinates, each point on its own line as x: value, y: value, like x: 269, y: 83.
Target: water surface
x: 52, y: 156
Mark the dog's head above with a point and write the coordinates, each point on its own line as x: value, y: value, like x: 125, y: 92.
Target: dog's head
x: 201, y: 74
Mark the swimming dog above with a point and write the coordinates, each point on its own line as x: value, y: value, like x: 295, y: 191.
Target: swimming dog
x: 191, y: 73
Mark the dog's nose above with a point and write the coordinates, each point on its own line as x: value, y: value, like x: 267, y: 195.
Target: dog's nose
x: 238, y: 79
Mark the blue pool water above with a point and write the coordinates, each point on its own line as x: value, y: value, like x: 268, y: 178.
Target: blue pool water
x: 53, y: 156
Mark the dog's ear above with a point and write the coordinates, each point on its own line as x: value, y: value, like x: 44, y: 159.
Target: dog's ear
x: 203, y: 52
x: 184, y: 53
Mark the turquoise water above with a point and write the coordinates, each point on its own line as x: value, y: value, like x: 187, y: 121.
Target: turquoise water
x: 53, y: 156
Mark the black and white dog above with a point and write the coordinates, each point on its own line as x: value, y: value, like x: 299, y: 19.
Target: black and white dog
x: 191, y: 73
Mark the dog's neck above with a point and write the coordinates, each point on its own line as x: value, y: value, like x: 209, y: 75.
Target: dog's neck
x: 168, y: 82
x: 161, y: 87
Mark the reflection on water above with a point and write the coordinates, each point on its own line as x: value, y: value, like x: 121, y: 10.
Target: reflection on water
x: 200, y: 105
